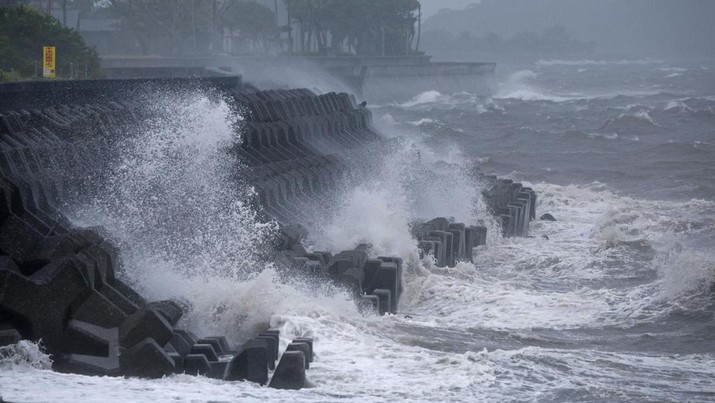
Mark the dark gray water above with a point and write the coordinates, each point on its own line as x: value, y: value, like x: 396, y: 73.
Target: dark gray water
x: 617, y: 304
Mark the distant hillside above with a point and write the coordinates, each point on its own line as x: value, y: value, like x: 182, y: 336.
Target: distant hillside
x: 619, y: 27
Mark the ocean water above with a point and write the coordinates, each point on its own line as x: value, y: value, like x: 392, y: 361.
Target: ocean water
x: 611, y: 302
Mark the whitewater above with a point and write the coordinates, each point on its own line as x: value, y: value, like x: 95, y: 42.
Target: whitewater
x: 611, y: 302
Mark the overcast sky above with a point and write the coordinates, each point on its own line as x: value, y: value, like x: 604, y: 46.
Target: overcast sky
x: 430, y: 7
x: 623, y: 27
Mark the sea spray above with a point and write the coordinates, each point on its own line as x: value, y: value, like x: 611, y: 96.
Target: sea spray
x: 522, y: 85
x: 182, y: 217
x: 24, y: 353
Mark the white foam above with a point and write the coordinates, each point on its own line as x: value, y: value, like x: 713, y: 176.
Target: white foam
x: 368, y: 214
x: 520, y: 85
x: 24, y: 354
x: 604, y: 375
x: 421, y: 122
x: 424, y: 98
x: 607, y: 136
x: 516, y: 285
x: 589, y: 62
x: 625, y: 122
x: 532, y: 282
x: 411, y: 182
x: 674, y: 69
x: 462, y: 100
x: 182, y: 219
x: 644, y: 116
x: 677, y: 105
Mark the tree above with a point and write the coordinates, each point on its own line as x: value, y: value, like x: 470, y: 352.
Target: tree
x: 366, y: 27
x: 256, y: 23
x: 23, y: 33
x: 167, y: 27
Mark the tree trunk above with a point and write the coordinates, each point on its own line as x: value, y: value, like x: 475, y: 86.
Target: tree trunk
x: 419, y: 26
x: 213, y: 45
x: 382, y: 42
x: 290, y: 31
x: 193, y: 25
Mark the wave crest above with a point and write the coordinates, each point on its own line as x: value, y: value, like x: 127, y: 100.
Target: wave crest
x: 26, y: 354
x: 589, y: 62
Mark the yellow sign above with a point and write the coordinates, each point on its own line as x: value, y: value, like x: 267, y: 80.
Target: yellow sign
x: 48, y: 62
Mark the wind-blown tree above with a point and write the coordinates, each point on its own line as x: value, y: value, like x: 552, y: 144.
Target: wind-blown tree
x: 366, y: 27
x: 23, y: 33
x: 171, y: 27
x: 167, y: 27
x: 256, y: 23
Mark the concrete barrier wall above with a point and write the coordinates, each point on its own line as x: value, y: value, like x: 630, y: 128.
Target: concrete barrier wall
x: 63, y: 284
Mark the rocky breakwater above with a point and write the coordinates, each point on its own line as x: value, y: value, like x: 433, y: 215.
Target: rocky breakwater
x: 65, y: 286
x: 450, y: 242
x: 300, y: 149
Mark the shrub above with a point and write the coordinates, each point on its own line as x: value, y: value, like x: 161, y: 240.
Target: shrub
x: 23, y: 33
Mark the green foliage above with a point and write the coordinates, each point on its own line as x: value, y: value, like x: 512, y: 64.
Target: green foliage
x: 23, y: 33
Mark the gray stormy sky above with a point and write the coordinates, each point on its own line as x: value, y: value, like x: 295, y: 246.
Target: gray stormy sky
x: 657, y: 28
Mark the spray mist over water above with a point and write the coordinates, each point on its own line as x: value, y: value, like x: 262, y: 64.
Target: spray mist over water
x: 409, y: 182
x: 174, y: 195
x: 521, y: 85
x: 300, y: 74
x: 24, y: 354
x: 182, y: 216
x: 183, y: 221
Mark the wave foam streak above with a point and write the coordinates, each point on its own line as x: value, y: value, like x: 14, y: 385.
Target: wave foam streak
x: 608, y: 261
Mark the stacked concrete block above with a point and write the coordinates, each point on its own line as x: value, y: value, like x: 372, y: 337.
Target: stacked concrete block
x: 447, y: 241
x: 375, y: 283
x: 512, y: 203
x: 295, y: 144
x: 63, y: 284
x: 60, y: 286
x: 60, y: 283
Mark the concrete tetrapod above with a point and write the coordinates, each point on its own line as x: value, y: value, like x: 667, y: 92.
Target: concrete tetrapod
x: 290, y: 373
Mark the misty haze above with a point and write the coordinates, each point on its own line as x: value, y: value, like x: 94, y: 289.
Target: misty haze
x: 357, y: 200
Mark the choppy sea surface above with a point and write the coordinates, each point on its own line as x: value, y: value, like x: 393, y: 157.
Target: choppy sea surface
x: 611, y: 302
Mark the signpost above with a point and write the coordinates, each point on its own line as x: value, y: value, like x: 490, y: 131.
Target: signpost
x: 48, y: 62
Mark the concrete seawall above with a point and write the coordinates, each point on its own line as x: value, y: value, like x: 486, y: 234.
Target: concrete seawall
x: 64, y: 284
x: 376, y: 79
